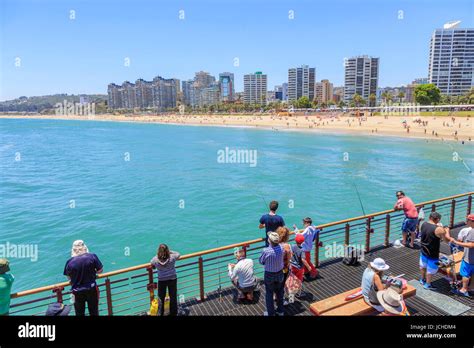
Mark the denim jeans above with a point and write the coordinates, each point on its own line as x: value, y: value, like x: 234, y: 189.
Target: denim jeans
x: 274, y: 285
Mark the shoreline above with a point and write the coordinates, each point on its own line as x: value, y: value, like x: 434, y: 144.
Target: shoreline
x: 438, y: 128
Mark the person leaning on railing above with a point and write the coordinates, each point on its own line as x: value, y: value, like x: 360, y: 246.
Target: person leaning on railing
x: 82, y: 269
x: 271, y: 221
x: 411, y: 217
x: 164, y: 262
x: 6, y: 282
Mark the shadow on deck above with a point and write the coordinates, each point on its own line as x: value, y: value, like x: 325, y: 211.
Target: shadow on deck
x: 334, y: 278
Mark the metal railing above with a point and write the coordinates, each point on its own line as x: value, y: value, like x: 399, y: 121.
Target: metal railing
x: 129, y: 291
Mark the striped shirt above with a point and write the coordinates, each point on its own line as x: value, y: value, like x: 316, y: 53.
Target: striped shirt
x: 272, y: 258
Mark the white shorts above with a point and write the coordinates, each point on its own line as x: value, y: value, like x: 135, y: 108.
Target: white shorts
x: 429, y: 264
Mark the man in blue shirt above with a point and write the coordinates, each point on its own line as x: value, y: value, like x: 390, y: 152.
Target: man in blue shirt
x: 82, y: 269
x: 271, y: 221
x: 272, y: 260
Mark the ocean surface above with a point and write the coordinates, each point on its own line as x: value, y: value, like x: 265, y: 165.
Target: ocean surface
x: 126, y: 187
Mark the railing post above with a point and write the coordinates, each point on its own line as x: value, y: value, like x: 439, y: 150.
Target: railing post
x: 387, y: 230
x: 316, y: 251
x: 433, y: 207
x: 453, y: 210
x: 108, y: 293
x: 367, y: 235
x: 201, y: 278
x: 245, y: 250
x: 151, y: 285
x: 347, y: 237
x: 59, y: 293
x: 469, y: 204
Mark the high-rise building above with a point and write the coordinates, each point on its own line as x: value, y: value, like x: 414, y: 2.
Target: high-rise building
x: 160, y: 94
x: 255, y: 88
x: 284, y: 90
x: 202, y: 90
x: 301, y: 82
x: 361, y: 77
x: 338, y: 94
x: 114, y: 93
x: 278, y: 93
x: 323, y: 91
x: 226, y: 86
x: 451, y: 65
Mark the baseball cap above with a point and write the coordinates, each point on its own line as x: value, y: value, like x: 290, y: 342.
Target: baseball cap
x: 470, y: 217
x: 299, y: 238
x: 308, y: 220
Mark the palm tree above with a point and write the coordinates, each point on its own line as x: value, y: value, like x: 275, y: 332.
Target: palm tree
x: 400, y: 96
x: 372, y: 99
x: 387, y: 97
x: 357, y: 99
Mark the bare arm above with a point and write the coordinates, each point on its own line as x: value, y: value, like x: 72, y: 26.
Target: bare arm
x: 443, y: 234
x: 261, y: 226
x: 378, y: 282
x: 468, y: 245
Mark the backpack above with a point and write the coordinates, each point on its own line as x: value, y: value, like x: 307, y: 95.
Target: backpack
x: 352, y: 256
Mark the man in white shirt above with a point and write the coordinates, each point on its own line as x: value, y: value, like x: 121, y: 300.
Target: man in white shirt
x: 242, y: 276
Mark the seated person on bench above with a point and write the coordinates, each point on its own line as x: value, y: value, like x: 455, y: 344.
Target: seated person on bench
x: 372, y: 283
x: 392, y: 302
x: 242, y: 276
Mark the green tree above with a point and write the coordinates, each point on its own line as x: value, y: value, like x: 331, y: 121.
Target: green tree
x: 400, y: 96
x: 303, y: 103
x: 387, y: 96
x: 358, y: 100
x: 427, y: 94
x: 372, y: 99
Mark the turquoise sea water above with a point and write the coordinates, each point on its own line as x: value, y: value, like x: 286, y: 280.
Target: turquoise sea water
x: 134, y: 205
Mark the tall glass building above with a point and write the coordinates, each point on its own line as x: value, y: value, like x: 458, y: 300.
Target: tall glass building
x: 226, y: 86
x: 451, y: 66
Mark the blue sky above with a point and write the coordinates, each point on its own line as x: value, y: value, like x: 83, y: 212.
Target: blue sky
x: 60, y: 55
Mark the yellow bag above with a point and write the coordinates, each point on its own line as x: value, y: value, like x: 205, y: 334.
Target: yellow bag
x: 154, y: 307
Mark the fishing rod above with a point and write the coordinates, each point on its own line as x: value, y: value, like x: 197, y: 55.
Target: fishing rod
x: 358, y: 196
x: 460, y: 158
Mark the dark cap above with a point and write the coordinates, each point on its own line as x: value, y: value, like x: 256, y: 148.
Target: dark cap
x: 308, y: 220
x: 58, y: 310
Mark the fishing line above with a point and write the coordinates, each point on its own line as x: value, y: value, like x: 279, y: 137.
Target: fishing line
x: 460, y: 158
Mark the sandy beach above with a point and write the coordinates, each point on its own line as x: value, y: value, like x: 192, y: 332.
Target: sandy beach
x: 460, y: 129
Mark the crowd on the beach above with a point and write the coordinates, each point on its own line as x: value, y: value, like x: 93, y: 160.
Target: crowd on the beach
x: 286, y: 266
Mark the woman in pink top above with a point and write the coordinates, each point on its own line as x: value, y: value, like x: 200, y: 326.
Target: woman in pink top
x: 411, y: 217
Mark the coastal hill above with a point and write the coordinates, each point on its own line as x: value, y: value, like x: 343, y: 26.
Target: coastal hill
x: 45, y: 103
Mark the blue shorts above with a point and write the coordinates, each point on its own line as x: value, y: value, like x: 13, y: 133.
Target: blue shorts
x: 466, y: 270
x: 409, y: 225
x: 431, y: 265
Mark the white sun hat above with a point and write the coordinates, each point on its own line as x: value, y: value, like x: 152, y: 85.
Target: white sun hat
x: 379, y: 264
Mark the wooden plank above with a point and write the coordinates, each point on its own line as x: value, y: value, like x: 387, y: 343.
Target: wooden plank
x: 457, y: 259
x: 320, y: 307
x: 336, y: 305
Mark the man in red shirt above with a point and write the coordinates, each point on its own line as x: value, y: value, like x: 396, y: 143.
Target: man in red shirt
x: 411, y: 217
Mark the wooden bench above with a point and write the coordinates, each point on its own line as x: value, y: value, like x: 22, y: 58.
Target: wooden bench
x: 337, y: 305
